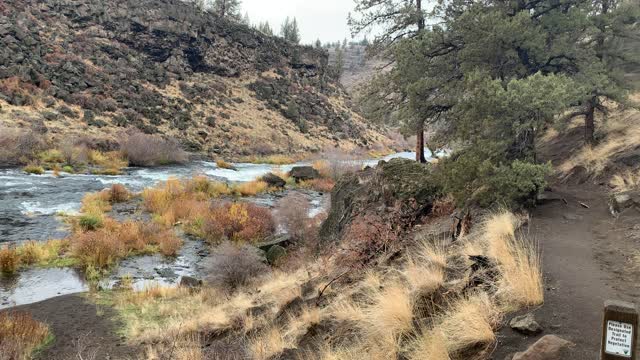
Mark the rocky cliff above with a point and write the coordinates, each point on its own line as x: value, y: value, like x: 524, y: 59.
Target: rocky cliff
x: 96, y: 67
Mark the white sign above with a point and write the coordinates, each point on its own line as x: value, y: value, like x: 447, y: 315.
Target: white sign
x: 619, y: 339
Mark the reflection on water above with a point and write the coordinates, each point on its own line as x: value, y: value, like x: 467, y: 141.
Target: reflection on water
x: 35, y: 285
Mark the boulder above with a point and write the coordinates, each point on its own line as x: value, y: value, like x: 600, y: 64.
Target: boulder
x: 281, y: 240
x: 526, y: 324
x: 549, y: 347
x: 274, y: 180
x: 276, y: 253
x: 304, y: 173
x: 190, y: 282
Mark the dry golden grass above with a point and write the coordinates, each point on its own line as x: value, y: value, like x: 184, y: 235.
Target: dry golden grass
x: 271, y: 342
x: 379, y: 308
x: 20, y: 335
x: 9, y: 260
x: 520, y: 283
x: 251, y: 188
x: 468, y: 322
x: 621, y: 133
x: 96, y: 204
x: 391, y: 314
x: 224, y: 165
x: 625, y: 181
x: 181, y: 348
x: 428, y: 345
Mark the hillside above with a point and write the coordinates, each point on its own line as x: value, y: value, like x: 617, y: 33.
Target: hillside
x: 358, y: 69
x: 88, y: 67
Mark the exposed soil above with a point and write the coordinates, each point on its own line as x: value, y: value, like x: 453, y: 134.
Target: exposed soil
x: 587, y: 259
x: 80, y: 327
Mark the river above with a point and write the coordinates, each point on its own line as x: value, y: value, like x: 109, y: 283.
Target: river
x: 30, y: 205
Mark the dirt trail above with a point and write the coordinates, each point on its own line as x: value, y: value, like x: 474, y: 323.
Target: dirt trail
x: 584, y: 262
x: 81, y: 328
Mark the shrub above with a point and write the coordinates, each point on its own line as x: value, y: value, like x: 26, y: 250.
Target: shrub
x: 324, y: 185
x: 19, y: 146
x: 30, y: 253
x: 366, y: 237
x: 118, y: 193
x: 33, y: 169
x: 151, y: 150
x: 238, y: 222
x: 169, y: 243
x: 96, y: 204
x: 90, y: 222
x: 9, y: 260
x: 51, y: 156
x: 111, y: 162
x: 20, y: 335
x: 232, y: 266
x: 97, y: 249
x: 470, y: 176
x: 17, y: 91
x: 292, y: 212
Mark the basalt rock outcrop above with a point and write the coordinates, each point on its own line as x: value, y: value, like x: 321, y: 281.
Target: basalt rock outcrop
x: 398, y: 192
x: 163, y: 66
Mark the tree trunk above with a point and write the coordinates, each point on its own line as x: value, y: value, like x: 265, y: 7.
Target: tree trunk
x: 420, y: 127
x: 589, y: 121
x: 421, y: 23
x: 420, y: 143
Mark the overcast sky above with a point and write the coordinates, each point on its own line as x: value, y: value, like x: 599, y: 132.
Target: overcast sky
x: 324, y: 19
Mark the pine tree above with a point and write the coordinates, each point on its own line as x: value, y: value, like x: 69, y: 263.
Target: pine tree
x: 290, y: 31
x: 265, y: 28
x: 229, y: 9
x: 318, y: 44
x: 400, y: 19
x: 246, y: 19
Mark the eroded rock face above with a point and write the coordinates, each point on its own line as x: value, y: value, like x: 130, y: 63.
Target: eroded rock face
x: 400, y: 190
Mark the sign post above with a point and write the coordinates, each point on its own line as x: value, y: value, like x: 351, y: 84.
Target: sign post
x: 619, y: 331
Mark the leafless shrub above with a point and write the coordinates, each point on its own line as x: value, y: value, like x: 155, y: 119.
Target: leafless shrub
x: 83, y: 351
x: 18, y: 146
x: 292, y: 212
x: 336, y: 163
x: 152, y: 150
x: 232, y: 266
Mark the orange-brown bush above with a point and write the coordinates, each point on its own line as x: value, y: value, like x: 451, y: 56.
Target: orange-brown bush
x: 20, y: 335
x: 240, y: 222
x: 169, y: 243
x: 9, y: 260
x: 151, y: 150
x: 366, y: 237
x: 118, y: 193
x: 97, y: 249
x: 324, y: 185
x: 104, y: 247
x: 444, y: 206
